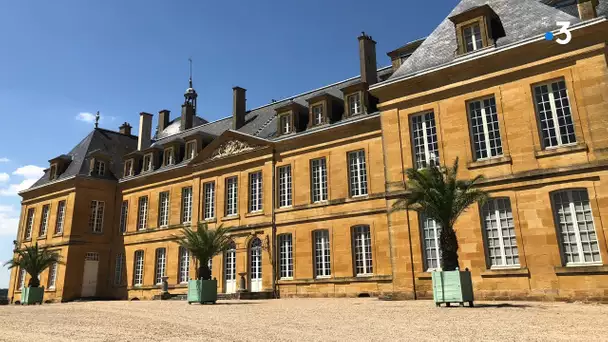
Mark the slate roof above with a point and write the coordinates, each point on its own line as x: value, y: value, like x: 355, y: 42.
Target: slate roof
x: 569, y: 6
x: 521, y: 19
x: 110, y: 142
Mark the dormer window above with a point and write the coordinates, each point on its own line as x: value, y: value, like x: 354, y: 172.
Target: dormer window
x: 53, y: 172
x: 354, y: 104
x: 477, y: 28
x: 472, y: 37
x: 190, y: 149
x: 99, y: 168
x: 317, y: 114
x: 285, y: 123
x: 128, y: 168
x: 147, y: 162
x: 169, y: 156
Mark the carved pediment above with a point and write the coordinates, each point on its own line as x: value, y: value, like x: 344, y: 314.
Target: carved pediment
x: 232, y: 147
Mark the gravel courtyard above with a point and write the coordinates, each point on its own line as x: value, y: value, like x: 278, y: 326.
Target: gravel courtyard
x: 364, y: 319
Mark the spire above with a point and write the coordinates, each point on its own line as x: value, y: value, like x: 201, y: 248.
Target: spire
x: 97, y: 120
x: 190, y: 80
x: 190, y: 95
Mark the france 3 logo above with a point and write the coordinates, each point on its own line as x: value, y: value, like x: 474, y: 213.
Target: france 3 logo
x: 564, y: 30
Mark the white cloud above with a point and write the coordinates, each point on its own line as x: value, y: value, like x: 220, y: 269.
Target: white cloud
x: 30, y: 174
x: 9, y: 220
x: 86, y: 117
x: 4, y: 160
x: 4, y: 177
x: 30, y: 171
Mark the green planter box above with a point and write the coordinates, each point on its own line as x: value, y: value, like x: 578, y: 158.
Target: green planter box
x: 452, y: 287
x: 32, y: 295
x: 202, y: 291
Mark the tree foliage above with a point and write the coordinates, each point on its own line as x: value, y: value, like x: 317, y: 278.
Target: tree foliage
x: 203, y: 244
x: 34, y: 260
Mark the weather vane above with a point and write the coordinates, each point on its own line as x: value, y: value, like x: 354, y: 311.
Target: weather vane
x: 190, y: 61
x: 97, y: 120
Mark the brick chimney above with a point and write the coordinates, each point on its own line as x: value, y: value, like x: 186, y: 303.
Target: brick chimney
x: 367, y: 59
x: 145, y: 131
x: 587, y: 9
x: 164, y: 116
x: 125, y: 129
x: 239, y: 107
x: 187, y: 116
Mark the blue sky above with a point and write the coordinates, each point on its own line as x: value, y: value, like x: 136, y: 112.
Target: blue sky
x: 62, y: 60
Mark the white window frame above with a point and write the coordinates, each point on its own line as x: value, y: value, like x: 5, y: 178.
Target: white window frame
x: 60, y: 217
x: 574, y: 197
x: 430, y: 231
x: 29, y: 225
x: 318, y: 180
x: 52, y: 280
x: 255, y: 192
x: 487, y: 128
x: 128, y: 168
x: 191, y: 149
x: 497, y: 217
x: 357, y: 173
x: 554, y: 118
x: 363, y: 253
x: 163, y: 209
x: 255, y: 259
x: 285, y: 242
x: 99, y: 167
x: 44, y: 220
x: 322, y: 253
x: 474, y: 38
x: 230, y: 262
x: 209, y: 191
x: 317, y: 114
x: 420, y: 124
x: 138, y: 268
x: 160, y: 265
x: 22, y: 276
x: 97, y: 216
x: 118, y: 268
x: 148, y: 162
x: 169, y: 156
x: 53, y: 172
x: 285, y: 186
x: 124, y: 216
x: 285, y: 123
x: 232, y: 196
x: 354, y: 104
x: 184, y: 266
x: 186, y: 205
x: 142, y: 213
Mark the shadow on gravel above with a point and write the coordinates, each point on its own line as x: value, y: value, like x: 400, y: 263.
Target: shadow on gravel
x: 501, y: 305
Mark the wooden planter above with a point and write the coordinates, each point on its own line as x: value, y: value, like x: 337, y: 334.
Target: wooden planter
x: 452, y: 287
x: 202, y: 291
x: 32, y: 295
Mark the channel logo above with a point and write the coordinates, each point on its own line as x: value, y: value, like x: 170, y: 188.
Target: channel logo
x: 564, y: 30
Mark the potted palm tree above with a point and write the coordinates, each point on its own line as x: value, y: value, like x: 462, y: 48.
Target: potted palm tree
x: 203, y: 244
x: 439, y: 195
x: 34, y: 260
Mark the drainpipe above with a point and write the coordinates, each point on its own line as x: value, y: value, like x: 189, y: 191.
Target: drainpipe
x: 274, y: 228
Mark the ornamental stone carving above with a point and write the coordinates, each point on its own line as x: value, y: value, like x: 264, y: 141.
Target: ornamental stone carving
x: 230, y: 148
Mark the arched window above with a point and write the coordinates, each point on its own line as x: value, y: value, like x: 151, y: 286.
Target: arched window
x: 138, y: 268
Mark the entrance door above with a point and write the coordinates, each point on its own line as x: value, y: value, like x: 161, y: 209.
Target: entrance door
x: 230, y: 269
x: 89, y: 277
x: 255, y: 269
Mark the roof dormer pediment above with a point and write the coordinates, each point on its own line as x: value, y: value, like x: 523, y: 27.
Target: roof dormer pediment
x: 229, y: 144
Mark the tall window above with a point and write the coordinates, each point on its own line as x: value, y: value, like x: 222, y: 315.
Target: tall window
x: 22, y: 274
x: 575, y: 221
x: 187, y: 205
x: 142, y: 213
x: 354, y: 104
x: 500, y: 233
x: 231, y: 196
x: 424, y: 140
x: 44, y: 221
x: 357, y: 174
x: 484, y: 128
x: 554, y: 114
x: 255, y: 191
x: 317, y: 114
x: 230, y: 263
x: 169, y: 156
x: 362, y: 241
x: 163, y: 209
x: 322, y: 254
x: 129, y: 168
x: 190, y: 149
x: 138, y: 269
x: 430, y: 232
x: 285, y: 122
x: 99, y: 168
x: 160, y: 265
x: 184, y: 265
x: 209, y: 211
x: 52, y: 276
x: 124, y: 216
x: 318, y: 169
x: 96, y: 218
x: 60, y: 217
x: 148, y: 162
x: 119, y: 268
x: 472, y: 37
x: 29, y: 225
x: 53, y: 172
x: 285, y: 186
x: 285, y: 256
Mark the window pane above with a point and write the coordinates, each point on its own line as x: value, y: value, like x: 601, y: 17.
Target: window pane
x: 555, y: 118
x: 363, y: 250
x: 357, y: 173
x: 255, y: 191
x: 319, y: 180
x: 209, y: 200
x: 322, y: 253
x: 432, y: 252
x: 186, y: 205
x: 424, y: 140
x: 161, y: 262
x: 500, y: 233
x: 285, y: 256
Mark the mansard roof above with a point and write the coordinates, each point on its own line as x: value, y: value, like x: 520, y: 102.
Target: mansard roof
x: 521, y: 19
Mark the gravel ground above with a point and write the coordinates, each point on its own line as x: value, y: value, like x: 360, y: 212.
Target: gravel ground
x: 364, y: 319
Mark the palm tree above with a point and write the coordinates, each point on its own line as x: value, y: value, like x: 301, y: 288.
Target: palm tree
x: 34, y: 260
x: 436, y: 193
x: 204, y: 244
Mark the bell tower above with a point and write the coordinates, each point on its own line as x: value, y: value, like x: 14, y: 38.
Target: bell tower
x: 190, y: 95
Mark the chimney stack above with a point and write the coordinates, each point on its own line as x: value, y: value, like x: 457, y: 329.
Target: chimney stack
x: 239, y: 107
x: 125, y: 129
x: 367, y: 59
x: 164, y: 116
x: 145, y: 131
x: 187, y: 116
x: 587, y: 9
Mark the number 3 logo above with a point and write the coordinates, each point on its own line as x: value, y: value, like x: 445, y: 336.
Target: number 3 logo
x: 564, y: 30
